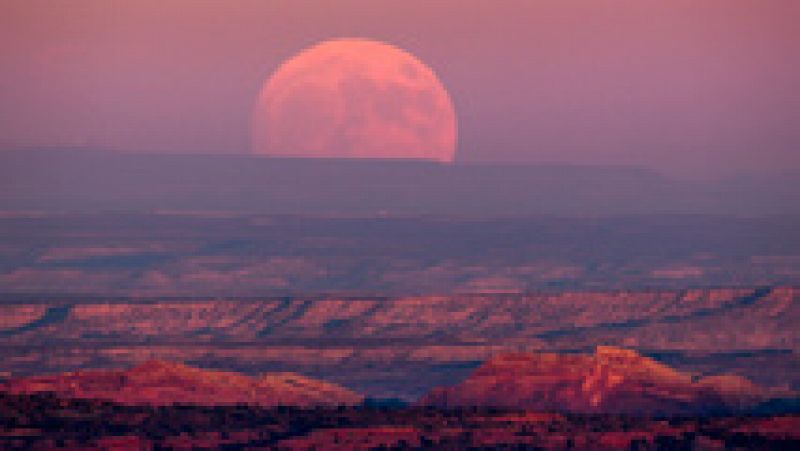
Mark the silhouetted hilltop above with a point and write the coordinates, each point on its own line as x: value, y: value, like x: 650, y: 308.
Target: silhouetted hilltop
x: 72, y: 179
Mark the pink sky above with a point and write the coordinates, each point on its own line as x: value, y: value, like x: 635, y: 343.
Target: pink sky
x: 692, y: 87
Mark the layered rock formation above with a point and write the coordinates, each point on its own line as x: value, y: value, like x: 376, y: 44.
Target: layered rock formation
x: 613, y: 380
x: 402, y: 347
x: 706, y: 319
x: 162, y: 383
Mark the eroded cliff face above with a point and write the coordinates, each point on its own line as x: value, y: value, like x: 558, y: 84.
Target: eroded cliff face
x: 466, y: 318
x: 612, y: 380
x: 163, y: 383
x: 404, y: 346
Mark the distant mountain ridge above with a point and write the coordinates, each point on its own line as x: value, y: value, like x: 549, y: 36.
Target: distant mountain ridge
x: 72, y: 179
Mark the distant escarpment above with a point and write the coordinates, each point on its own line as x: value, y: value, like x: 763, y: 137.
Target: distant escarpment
x: 402, y: 347
x: 613, y: 380
x: 162, y: 383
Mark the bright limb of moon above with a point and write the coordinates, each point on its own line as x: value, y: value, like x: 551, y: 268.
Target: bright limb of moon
x: 354, y: 98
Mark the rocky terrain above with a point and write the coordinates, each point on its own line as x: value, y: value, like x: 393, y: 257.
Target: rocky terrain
x: 43, y: 421
x: 612, y: 380
x: 162, y: 383
x: 403, y: 347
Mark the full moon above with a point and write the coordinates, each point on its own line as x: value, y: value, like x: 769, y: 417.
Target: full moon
x: 354, y: 98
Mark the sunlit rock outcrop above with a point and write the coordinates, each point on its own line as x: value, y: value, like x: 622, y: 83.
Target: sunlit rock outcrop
x: 612, y: 380
x: 160, y: 383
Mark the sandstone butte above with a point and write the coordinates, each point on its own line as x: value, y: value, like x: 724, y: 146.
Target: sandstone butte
x: 162, y: 383
x: 613, y: 380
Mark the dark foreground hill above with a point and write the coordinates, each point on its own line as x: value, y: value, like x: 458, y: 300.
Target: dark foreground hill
x: 46, y: 422
x: 75, y: 179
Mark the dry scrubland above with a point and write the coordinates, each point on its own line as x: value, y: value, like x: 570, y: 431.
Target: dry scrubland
x: 45, y: 422
x: 233, y: 255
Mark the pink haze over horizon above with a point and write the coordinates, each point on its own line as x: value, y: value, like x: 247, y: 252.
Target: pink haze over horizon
x: 697, y: 88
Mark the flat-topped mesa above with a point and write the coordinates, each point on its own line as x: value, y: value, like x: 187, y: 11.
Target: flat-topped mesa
x: 155, y: 365
x: 611, y: 357
x: 153, y: 369
x: 613, y: 380
x: 616, y: 353
x: 162, y: 383
x: 628, y: 361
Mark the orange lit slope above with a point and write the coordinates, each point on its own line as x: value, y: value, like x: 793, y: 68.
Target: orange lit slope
x: 613, y: 380
x: 161, y: 383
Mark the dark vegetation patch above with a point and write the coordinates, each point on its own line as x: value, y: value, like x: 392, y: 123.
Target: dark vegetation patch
x: 45, y: 421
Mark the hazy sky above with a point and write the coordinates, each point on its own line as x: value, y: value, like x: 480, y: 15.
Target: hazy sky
x: 686, y: 86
